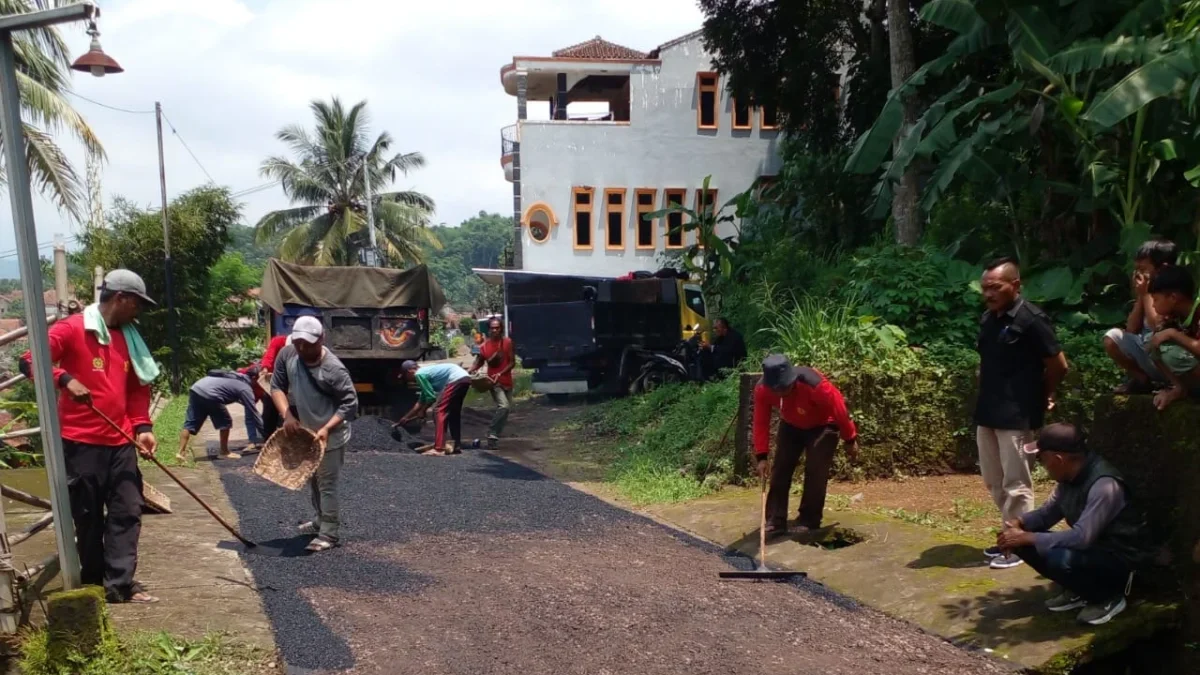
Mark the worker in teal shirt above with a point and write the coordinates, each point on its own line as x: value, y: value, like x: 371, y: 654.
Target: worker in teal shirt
x: 445, y: 387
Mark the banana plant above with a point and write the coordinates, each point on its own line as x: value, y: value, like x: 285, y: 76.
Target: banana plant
x: 710, y: 255
x: 1113, y: 84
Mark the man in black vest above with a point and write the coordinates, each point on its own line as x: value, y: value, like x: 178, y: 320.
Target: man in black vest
x: 1094, y: 560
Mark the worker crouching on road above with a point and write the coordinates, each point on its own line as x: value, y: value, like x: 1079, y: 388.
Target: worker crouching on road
x: 447, y: 385
x: 812, y: 413
x: 103, y: 362
x: 207, y: 400
x: 1093, y: 561
x: 311, y: 388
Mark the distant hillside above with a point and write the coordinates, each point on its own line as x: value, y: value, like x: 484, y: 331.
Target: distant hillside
x: 10, y: 268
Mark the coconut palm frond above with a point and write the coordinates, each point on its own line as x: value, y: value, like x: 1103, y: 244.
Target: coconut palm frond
x: 52, y: 173
x: 51, y: 110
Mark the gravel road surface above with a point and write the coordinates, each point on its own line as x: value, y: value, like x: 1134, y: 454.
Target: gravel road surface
x: 471, y: 565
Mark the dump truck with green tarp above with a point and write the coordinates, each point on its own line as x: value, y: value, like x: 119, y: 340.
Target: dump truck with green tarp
x: 375, y: 318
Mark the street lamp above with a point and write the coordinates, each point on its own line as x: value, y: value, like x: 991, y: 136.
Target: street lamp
x: 97, y: 63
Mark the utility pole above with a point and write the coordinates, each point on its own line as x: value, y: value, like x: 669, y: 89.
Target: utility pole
x: 373, y: 256
x: 60, y: 275
x: 172, y: 320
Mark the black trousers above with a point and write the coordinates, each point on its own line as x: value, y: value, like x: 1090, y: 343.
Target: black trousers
x: 270, y: 417
x: 819, y: 444
x: 1094, y: 575
x: 105, y: 487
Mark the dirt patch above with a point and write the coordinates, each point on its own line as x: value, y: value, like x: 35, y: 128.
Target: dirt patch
x: 628, y: 600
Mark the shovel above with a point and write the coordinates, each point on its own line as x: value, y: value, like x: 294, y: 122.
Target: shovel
x: 251, y: 547
x: 762, y: 572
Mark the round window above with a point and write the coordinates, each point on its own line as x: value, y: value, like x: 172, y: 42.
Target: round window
x: 539, y: 221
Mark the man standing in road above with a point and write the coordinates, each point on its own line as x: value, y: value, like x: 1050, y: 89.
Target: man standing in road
x: 207, y: 400
x: 812, y: 414
x: 497, y: 353
x: 103, y: 362
x: 1020, y: 366
x: 311, y: 388
x: 270, y: 416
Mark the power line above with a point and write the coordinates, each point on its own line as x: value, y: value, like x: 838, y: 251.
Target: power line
x: 189, y: 150
x: 111, y: 107
x: 49, y: 244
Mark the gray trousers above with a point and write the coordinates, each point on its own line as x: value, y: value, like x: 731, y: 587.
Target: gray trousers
x: 503, y: 400
x: 324, y: 484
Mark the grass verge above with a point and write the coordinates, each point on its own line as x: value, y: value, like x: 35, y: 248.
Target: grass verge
x: 665, y: 446
x: 151, y: 654
x: 166, y: 429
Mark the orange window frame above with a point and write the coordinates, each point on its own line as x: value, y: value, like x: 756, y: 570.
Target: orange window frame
x: 733, y: 116
x: 762, y: 119
x: 642, y: 210
x: 673, y: 196
x: 701, y: 204
x: 701, y: 89
x: 612, y: 209
x: 576, y: 209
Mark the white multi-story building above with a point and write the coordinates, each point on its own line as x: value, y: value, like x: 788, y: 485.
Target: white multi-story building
x: 627, y: 133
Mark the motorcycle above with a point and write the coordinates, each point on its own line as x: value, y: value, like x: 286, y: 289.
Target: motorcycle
x: 683, y: 364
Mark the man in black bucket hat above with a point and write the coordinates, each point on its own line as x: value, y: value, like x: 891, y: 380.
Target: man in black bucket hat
x: 1094, y: 560
x: 812, y: 415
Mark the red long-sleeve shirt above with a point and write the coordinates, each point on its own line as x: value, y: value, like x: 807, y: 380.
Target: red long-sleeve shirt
x: 268, y: 360
x: 812, y: 402
x: 107, y: 372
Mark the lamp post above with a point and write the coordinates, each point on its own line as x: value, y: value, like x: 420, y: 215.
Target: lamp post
x: 99, y: 64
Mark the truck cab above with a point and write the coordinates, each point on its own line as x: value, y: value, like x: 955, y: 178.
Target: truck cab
x: 582, y: 334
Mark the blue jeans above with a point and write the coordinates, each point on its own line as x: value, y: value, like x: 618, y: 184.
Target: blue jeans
x: 1094, y: 575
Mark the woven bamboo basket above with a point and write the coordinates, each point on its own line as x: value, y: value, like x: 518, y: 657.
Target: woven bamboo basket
x: 481, y: 382
x: 156, y: 501
x: 289, y: 458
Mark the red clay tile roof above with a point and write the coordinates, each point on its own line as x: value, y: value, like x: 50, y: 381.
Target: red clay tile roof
x: 598, y: 48
x: 9, y: 325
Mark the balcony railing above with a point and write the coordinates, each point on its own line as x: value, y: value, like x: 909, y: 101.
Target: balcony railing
x: 508, y: 140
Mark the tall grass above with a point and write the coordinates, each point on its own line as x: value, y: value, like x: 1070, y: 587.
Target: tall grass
x: 830, y: 334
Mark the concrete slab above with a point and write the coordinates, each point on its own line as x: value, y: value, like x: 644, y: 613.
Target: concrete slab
x: 934, y: 579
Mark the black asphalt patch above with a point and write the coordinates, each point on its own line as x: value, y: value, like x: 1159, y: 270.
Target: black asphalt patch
x: 388, y: 499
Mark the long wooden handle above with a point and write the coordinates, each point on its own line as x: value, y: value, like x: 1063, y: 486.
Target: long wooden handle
x: 762, y: 528
x: 211, y: 511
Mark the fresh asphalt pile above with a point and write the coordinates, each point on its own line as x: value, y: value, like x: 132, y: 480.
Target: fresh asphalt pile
x: 473, y: 564
x: 375, y: 434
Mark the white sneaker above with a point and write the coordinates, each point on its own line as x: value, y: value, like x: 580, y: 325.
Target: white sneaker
x: 1003, y: 562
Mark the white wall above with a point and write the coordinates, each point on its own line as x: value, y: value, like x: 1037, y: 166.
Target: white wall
x: 660, y: 148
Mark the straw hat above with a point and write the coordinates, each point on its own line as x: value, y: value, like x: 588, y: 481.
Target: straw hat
x: 290, y: 458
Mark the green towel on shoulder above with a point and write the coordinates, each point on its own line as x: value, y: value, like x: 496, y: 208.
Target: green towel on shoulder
x: 139, y: 353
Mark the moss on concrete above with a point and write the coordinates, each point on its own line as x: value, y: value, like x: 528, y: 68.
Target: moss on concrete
x: 78, y: 623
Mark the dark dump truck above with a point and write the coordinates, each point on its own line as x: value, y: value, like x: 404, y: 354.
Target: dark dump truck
x: 375, y: 319
x: 583, y: 334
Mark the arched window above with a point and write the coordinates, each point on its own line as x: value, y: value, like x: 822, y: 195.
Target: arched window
x: 539, y: 218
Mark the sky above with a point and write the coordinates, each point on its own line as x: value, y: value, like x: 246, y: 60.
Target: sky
x: 230, y: 73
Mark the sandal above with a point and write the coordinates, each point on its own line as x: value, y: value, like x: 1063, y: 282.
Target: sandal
x: 434, y: 452
x: 137, y: 596
x: 229, y: 455
x: 1133, y: 387
x: 776, y: 530
x: 309, y: 527
x: 320, y: 544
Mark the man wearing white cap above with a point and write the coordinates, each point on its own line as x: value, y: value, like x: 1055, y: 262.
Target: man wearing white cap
x: 101, y: 360
x: 311, y: 388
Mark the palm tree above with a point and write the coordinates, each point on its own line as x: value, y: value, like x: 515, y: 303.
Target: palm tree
x: 43, y: 72
x: 329, y: 227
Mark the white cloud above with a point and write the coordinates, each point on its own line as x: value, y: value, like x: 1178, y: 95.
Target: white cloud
x: 230, y: 73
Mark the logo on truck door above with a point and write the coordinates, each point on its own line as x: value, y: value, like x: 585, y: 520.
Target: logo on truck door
x: 398, y: 333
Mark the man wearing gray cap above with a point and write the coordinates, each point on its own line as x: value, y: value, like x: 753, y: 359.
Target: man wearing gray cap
x: 102, y: 361
x: 311, y: 388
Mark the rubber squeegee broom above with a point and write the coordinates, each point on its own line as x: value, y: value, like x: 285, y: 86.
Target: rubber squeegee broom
x: 762, y: 572
x: 251, y: 547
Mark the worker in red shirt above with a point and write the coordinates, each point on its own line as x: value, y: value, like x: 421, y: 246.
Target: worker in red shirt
x: 497, y: 353
x: 812, y: 414
x: 270, y: 415
x: 102, y: 362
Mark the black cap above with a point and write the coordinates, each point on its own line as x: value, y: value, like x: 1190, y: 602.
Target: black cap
x: 1060, y: 437
x: 778, y: 373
